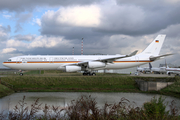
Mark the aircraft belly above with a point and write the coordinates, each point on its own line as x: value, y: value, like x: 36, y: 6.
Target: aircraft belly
x: 124, y: 65
x: 34, y: 66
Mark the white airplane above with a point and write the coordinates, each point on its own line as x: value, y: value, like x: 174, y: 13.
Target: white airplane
x: 87, y: 63
x: 173, y: 71
x: 144, y: 69
x: 159, y: 70
x: 150, y: 69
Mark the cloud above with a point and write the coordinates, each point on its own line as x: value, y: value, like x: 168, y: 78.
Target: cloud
x: 173, y: 1
x: 15, y: 43
x: 172, y: 42
x: 43, y: 41
x: 110, y: 18
x: 4, y: 32
x: 121, y: 19
x: 37, y: 21
x: 29, y: 5
x: 5, y: 29
x: 172, y: 30
x: 24, y: 37
x: 108, y: 27
x: 18, y: 28
x: 8, y: 50
x: 24, y: 46
x: 82, y: 16
x: 7, y: 16
x: 23, y: 17
x: 71, y: 22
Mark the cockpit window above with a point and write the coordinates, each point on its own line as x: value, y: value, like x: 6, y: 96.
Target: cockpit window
x: 9, y: 59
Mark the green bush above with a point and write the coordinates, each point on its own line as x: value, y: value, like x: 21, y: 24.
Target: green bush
x: 155, y: 108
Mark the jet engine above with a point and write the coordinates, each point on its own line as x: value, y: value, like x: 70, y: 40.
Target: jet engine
x: 72, y: 68
x: 92, y: 65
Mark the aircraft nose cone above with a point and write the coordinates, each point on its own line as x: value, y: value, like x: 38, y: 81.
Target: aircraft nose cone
x: 4, y: 64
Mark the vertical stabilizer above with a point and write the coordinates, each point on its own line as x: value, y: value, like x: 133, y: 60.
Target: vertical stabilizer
x: 150, y: 66
x: 155, y: 46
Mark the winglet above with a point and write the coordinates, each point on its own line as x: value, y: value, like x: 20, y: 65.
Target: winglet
x: 133, y: 53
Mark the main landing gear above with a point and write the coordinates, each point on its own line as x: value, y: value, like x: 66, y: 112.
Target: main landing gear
x: 89, y: 73
x: 21, y: 74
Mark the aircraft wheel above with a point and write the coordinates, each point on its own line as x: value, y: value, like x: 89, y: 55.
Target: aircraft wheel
x: 21, y: 74
x: 93, y: 74
x: 85, y: 73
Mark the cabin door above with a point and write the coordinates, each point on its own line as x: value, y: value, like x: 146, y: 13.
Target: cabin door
x: 18, y: 61
x: 136, y: 58
x: 51, y: 60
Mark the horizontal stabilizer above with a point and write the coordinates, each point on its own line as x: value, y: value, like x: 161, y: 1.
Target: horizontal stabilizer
x: 157, y: 57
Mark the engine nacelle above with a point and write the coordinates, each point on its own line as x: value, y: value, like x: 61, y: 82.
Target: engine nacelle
x: 72, y: 68
x: 92, y: 65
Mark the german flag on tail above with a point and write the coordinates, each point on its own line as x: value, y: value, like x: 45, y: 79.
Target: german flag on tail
x: 157, y: 41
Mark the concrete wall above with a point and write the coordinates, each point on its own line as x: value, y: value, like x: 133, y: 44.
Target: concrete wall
x: 150, y: 86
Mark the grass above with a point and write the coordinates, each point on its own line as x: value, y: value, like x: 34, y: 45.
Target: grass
x: 52, y: 81
x: 4, y: 91
x: 34, y: 72
x: 74, y: 84
x: 172, y: 90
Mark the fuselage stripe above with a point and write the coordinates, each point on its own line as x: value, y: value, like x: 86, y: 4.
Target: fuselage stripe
x: 69, y: 61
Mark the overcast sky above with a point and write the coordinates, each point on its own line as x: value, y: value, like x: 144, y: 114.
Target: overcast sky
x: 44, y: 27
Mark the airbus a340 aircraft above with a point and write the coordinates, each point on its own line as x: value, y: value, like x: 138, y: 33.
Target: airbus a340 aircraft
x: 87, y: 63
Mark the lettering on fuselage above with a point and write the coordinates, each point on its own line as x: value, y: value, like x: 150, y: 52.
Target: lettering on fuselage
x: 63, y: 58
x: 45, y: 59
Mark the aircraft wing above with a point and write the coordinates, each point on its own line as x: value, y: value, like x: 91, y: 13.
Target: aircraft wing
x: 106, y: 60
x: 110, y: 60
x: 157, y: 57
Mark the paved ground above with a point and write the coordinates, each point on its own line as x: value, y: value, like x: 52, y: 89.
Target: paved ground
x: 153, y: 75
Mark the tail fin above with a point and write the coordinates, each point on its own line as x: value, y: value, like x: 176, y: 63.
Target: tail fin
x: 150, y: 66
x: 155, y: 46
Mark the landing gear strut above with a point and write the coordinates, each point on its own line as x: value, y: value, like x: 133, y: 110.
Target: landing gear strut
x: 21, y: 74
x: 89, y: 73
